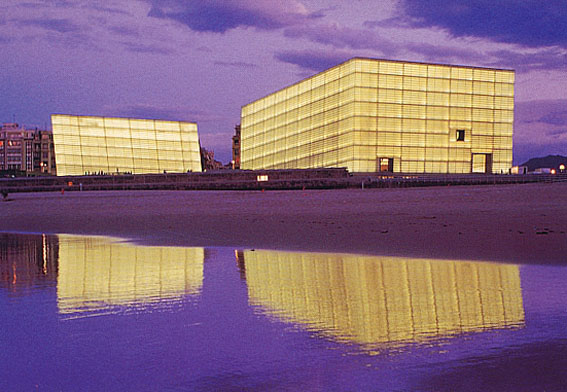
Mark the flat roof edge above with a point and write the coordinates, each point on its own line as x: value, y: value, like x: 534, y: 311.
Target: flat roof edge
x: 122, y: 118
x: 379, y: 59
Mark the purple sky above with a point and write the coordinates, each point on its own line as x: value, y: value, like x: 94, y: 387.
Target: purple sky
x: 202, y: 60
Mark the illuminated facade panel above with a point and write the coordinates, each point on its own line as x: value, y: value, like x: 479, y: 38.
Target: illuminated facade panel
x: 377, y: 115
x: 372, y: 301
x: 87, y: 144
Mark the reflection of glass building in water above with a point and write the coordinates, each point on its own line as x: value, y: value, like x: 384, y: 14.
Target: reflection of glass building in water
x: 373, y: 301
x: 96, y: 273
x: 87, y: 144
x: 377, y: 115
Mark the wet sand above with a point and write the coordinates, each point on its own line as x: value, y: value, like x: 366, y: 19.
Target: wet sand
x: 510, y: 223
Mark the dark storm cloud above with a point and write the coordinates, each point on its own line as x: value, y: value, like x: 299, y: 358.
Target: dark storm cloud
x: 57, y: 25
x: 528, y: 22
x: 312, y: 59
x: 238, y: 64
x: 221, y: 16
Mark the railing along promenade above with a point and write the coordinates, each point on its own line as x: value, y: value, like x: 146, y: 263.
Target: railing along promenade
x: 421, y: 180
x: 328, y: 178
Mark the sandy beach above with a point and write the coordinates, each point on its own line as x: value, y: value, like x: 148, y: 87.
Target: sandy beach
x: 506, y: 223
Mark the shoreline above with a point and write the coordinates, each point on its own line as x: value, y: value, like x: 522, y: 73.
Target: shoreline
x: 518, y: 224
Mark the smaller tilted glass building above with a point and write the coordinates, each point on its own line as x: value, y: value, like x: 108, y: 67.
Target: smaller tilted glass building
x: 372, y: 115
x: 91, y: 145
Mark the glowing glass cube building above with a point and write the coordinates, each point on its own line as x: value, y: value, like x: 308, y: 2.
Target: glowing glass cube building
x: 88, y: 144
x: 372, y: 115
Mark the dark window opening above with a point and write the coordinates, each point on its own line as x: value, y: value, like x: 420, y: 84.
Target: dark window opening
x: 460, y: 135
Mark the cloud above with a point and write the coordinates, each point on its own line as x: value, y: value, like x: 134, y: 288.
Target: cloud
x: 4, y: 39
x: 530, y: 23
x: 155, y: 112
x: 148, y: 49
x: 546, y: 59
x: 315, y: 60
x: 221, y: 16
x: 555, y: 118
x: 548, y: 112
x: 239, y: 64
x: 557, y: 133
x: 540, y: 129
x: 58, y: 25
x: 124, y: 31
x: 108, y: 10
x: 435, y: 53
x: 339, y: 36
x: 551, y: 112
x: 523, y: 152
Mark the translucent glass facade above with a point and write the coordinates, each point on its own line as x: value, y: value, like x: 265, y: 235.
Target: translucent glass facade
x: 377, y: 115
x: 87, y: 144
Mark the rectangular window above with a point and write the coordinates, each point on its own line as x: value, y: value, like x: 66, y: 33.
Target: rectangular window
x: 386, y: 164
x: 460, y: 135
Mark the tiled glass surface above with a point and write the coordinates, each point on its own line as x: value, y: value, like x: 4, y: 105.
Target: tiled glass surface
x: 362, y: 110
x: 86, y: 144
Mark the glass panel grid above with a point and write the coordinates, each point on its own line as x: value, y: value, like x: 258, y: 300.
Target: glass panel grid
x: 376, y: 108
x: 120, y: 145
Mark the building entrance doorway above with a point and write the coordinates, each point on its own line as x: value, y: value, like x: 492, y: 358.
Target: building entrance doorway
x: 385, y: 164
x: 482, y: 163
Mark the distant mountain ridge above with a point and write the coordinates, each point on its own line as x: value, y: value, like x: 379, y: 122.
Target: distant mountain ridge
x: 550, y: 161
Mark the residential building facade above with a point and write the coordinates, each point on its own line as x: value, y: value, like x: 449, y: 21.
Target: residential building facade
x: 236, y: 148
x: 24, y: 150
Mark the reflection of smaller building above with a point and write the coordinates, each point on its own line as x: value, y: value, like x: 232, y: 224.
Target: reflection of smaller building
x: 97, y: 272
x: 27, y: 260
x: 372, y: 301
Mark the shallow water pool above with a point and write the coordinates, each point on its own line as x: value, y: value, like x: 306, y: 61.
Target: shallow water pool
x: 99, y: 314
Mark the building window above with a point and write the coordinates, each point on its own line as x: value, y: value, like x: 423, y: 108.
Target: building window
x: 460, y: 135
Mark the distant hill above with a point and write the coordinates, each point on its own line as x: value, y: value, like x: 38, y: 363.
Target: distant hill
x: 550, y: 161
